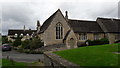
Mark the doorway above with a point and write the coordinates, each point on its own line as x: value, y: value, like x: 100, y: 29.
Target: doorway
x: 72, y: 43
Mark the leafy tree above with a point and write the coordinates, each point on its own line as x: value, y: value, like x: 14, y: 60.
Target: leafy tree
x: 32, y: 44
x: 26, y: 44
x: 4, y: 40
x: 36, y: 43
x: 17, y: 41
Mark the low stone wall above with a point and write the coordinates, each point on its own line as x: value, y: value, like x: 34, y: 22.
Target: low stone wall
x: 52, y: 60
x: 56, y: 47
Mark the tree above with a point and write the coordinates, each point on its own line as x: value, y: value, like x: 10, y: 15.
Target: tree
x: 17, y: 41
x: 36, y: 43
x: 4, y: 40
x: 26, y: 44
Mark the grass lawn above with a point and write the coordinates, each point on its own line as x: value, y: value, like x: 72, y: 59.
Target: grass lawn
x: 99, y: 55
x: 8, y: 63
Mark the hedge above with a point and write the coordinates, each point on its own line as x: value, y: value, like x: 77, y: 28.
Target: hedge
x: 98, y: 42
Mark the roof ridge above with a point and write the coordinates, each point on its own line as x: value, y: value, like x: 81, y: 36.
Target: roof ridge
x: 83, y: 20
x: 107, y: 18
x: 17, y: 29
x: 48, y: 20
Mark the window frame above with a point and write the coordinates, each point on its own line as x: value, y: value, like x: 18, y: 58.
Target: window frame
x: 83, y: 36
x: 59, y: 31
x: 96, y: 36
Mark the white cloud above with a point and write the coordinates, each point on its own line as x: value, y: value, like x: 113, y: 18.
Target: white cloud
x: 17, y: 13
x: 0, y: 19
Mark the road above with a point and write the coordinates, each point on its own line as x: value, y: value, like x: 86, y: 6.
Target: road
x: 22, y: 57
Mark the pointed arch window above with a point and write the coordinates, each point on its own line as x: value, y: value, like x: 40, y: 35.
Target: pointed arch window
x: 59, y: 31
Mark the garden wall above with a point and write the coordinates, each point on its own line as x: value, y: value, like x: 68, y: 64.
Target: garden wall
x: 52, y: 60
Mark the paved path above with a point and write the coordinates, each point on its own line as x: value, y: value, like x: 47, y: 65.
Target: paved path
x: 22, y: 57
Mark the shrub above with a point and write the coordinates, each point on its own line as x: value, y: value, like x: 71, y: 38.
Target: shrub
x: 35, y: 52
x: 98, y: 42
x: 104, y: 41
x: 26, y: 44
x: 28, y: 51
x: 9, y: 41
x: 17, y: 42
x: 32, y: 44
x: 4, y: 40
x: 36, y: 43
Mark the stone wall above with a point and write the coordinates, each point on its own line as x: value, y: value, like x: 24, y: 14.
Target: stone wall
x: 49, y: 35
x: 70, y: 36
x: 90, y: 36
x: 111, y: 38
x: 54, y: 61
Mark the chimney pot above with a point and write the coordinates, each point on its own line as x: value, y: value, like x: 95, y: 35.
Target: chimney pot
x: 66, y: 14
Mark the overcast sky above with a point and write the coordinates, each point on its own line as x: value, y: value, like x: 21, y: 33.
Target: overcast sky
x: 17, y: 13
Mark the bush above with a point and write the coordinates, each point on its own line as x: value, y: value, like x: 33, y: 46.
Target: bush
x: 35, y: 52
x: 28, y: 51
x: 17, y: 42
x: 81, y: 44
x: 26, y: 44
x: 36, y: 43
x: 98, y: 42
x: 32, y: 44
x: 104, y: 41
x: 4, y: 40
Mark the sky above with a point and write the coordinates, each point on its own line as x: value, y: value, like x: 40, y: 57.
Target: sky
x: 14, y: 14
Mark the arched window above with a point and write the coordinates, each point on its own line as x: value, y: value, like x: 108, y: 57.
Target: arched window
x: 16, y: 35
x: 59, y: 31
x: 21, y: 34
x: 27, y: 34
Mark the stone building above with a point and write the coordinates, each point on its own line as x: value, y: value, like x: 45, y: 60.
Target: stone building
x: 24, y: 33
x: 58, y: 29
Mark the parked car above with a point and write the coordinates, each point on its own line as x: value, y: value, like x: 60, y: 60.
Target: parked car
x: 6, y: 47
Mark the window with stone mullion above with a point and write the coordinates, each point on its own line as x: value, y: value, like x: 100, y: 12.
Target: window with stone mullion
x: 59, y: 31
x: 82, y: 36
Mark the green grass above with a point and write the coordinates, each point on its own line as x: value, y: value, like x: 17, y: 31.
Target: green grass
x: 100, y: 55
x: 6, y: 62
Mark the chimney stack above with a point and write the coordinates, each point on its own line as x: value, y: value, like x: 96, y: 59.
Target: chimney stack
x: 24, y: 28
x: 66, y: 15
x: 38, y: 24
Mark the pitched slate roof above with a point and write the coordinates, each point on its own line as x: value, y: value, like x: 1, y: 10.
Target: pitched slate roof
x: 13, y: 32
x: 117, y: 21
x: 111, y: 25
x: 84, y: 26
x: 47, y: 22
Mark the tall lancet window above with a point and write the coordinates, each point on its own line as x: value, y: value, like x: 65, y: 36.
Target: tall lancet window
x: 59, y: 31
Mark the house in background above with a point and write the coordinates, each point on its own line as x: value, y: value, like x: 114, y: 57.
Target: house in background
x: 58, y: 29
x: 24, y: 33
x: 111, y: 28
